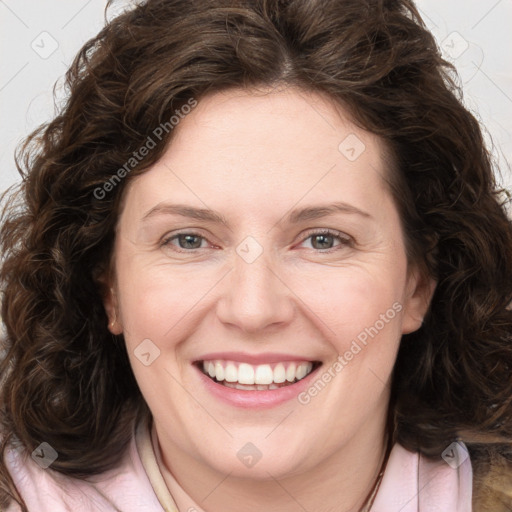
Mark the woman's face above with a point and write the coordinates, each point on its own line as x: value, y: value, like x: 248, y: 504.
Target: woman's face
x: 223, y: 263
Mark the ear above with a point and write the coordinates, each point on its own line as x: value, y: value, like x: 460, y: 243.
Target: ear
x: 419, y: 291
x: 110, y: 303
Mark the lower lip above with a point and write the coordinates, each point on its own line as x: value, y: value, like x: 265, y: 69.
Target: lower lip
x: 254, y: 399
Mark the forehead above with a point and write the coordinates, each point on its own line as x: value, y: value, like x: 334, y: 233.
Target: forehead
x: 263, y: 146
x: 276, y: 118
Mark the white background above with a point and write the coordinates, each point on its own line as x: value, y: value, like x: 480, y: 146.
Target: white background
x: 475, y: 35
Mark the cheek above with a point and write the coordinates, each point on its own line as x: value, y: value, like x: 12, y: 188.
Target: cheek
x: 154, y: 305
x: 363, y: 314
x: 157, y: 300
x: 350, y: 300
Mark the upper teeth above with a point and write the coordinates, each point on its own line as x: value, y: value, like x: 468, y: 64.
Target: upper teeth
x: 244, y: 373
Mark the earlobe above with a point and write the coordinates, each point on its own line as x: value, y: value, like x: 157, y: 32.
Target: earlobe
x: 420, y: 290
x: 110, y: 304
x: 111, y: 307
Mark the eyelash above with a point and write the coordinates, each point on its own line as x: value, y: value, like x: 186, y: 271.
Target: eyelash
x: 346, y: 241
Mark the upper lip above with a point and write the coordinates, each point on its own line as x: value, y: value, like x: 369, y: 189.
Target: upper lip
x: 256, y: 359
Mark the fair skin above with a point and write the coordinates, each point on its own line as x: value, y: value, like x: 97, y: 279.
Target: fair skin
x: 253, y: 157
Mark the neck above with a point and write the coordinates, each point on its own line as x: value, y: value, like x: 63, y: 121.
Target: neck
x: 343, y: 482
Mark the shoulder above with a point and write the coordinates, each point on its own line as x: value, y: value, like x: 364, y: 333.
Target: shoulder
x: 124, y: 488
x: 413, y: 482
x: 462, y: 480
x: 492, y: 483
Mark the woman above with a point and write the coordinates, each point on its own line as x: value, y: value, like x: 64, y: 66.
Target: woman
x: 259, y: 263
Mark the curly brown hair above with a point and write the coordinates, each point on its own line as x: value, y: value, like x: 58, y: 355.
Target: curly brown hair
x: 66, y: 380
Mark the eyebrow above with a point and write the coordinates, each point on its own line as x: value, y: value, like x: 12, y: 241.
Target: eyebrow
x: 295, y: 216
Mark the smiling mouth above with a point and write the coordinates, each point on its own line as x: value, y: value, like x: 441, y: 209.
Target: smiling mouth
x: 261, y: 377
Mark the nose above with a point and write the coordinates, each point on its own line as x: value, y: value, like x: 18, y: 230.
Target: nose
x: 255, y: 296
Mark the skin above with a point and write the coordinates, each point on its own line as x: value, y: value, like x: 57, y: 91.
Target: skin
x: 252, y: 157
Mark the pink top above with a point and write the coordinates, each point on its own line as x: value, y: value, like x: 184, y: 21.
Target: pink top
x: 411, y: 483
